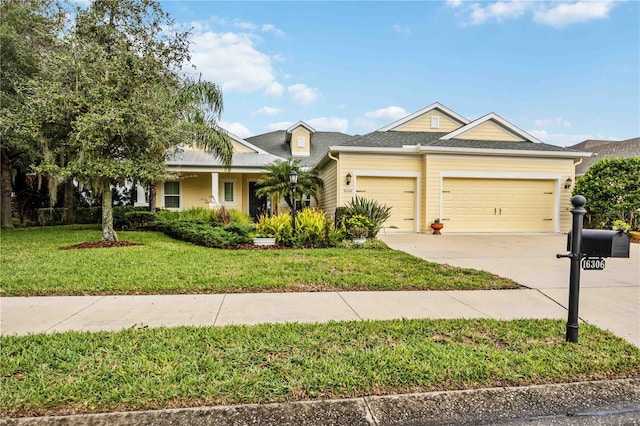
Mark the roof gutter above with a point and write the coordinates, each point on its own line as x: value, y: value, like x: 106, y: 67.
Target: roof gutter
x: 510, y: 152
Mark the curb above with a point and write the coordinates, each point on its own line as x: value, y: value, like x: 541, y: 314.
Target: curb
x: 479, y: 406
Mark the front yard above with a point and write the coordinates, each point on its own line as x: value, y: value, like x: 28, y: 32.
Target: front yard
x: 135, y: 369
x: 32, y: 264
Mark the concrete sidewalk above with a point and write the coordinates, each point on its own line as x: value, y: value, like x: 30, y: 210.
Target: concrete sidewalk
x: 23, y: 315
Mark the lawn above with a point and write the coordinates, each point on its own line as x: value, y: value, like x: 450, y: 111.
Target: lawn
x: 80, y: 372
x: 31, y: 263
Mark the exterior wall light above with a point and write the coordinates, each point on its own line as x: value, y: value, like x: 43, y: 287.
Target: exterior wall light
x: 567, y: 183
x: 348, y: 179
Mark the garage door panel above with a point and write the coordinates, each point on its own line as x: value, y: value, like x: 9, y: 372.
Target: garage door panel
x: 397, y: 193
x: 498, y: 205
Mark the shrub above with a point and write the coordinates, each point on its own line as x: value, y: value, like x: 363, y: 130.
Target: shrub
x: 120, y: 220
x: 278, y: 227
x: 240, y: 218
x: 375, y: 212
x: 621, y: 225
x: 222, y: 215
x: 50, y: 216
x: 359, y: 226
x: 139, y: 219
x: 371, y: 243
x: 204, y: 234
x: 312, y: 228
x: 87, y: 215
x: 341, y: 212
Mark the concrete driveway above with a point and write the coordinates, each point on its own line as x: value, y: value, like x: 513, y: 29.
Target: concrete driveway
x: 609, y: 299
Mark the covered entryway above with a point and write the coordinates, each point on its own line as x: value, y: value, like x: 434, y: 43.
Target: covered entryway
x: 498, y: 205
x: 399, y: 193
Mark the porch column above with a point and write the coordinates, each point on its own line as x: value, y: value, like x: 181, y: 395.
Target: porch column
x: 215, y: 190
x: 141, y: 196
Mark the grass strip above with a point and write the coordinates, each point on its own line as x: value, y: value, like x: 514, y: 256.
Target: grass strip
x: 81, y: 372
x: 31, y: 264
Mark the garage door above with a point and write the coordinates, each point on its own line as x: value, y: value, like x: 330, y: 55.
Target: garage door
x: 397, y: 193
x: 498, y: 205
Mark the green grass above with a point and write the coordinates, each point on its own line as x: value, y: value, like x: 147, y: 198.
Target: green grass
x: 80, y: 372
x: 32, y: 264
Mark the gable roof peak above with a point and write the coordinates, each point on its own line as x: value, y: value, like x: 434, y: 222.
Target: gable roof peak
x: 495, y: 117
x: 435, y: 105
x: 301, y: 124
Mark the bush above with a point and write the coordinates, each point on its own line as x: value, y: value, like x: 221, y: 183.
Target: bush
x: 278, y: 227
x: 88, y: 215
x: 50, y: 216
x: 371, y: 243
x: 120, y: 220
x: 312, y: 228
x: 240, y: 218
x: 375, y: 212
x: 222, y: 215
x: 359, y: 226
x: 203, y: 234
x: 341, y: 212
x: 139, y: 219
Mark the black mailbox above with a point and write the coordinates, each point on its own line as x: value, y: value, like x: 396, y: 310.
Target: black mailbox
x: 602, y: 243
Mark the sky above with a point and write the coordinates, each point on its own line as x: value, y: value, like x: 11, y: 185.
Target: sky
x: 564, y: 71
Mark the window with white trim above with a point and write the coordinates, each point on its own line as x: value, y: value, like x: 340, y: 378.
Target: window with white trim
x: 435, y: 122
x: 172, y: 195
x: 229, y: 189
x: 300, y: 141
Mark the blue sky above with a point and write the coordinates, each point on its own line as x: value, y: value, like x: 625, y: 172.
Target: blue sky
x: 563, y: 71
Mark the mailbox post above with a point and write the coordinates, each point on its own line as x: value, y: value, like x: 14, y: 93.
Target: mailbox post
x: 578, y: 213
x: 590, y: 246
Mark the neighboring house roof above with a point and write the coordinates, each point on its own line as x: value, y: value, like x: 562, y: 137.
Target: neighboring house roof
x: 276, y: 144
x: 603, y: 149
x: 250, y: 156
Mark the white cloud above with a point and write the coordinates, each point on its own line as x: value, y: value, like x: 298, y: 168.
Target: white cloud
x: 232, y: 61
x: 329, y: 124
x: 547, y: 122
x: 280, y: 125
x: 499, y: 11
x: 236, y: 128
x: 245, y: 25
x: 274, y: 89
x: 303, y: 94
x: 572, y: 13
x: 267, y: 110
x: 390, y: 113
x: 270, y: 28
x: 402, y: 30
x: 556, y: 14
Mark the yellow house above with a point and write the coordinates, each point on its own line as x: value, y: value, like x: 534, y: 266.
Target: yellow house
x: 485, y: 175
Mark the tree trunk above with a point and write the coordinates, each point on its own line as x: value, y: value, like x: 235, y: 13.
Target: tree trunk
x: 108, y: 233
x: 67, y: 202
x: 5, y: 189
x: 152, y: 196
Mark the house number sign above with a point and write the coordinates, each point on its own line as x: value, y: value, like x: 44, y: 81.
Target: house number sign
x: 590, y: 264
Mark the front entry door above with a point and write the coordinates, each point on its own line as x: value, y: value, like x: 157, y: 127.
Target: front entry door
x: 257, y: 205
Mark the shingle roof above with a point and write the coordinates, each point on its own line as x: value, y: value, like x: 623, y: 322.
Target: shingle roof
x: 622, y: 149
x: 393, y: 139
x: 200, y: 158
x: 477, y: 144
x: 276, y: 144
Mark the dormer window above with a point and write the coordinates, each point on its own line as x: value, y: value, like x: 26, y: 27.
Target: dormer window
x: 300, y: 142
x: 435, y: 122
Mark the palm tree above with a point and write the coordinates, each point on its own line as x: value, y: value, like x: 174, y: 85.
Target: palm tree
x: 275, y: 182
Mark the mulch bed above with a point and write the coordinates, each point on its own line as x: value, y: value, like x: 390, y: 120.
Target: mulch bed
x: 100, y: 244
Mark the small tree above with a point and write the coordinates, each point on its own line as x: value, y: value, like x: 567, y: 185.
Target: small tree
x: 612, y: 189
x: 275, y: 182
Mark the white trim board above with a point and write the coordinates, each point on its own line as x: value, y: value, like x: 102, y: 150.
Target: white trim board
x: 423, y: 111
x: 491, y: 116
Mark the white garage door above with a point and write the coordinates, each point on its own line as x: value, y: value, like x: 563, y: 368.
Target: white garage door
x: 498, y: 205
x: 397, y: 193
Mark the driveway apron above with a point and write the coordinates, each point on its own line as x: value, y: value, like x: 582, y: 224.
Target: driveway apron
x: 609, y: 299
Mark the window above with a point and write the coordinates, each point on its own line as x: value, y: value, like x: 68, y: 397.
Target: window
x: 172, y: 195
x: 229, y: 192
x: 435, y: 122
x: 300, y: 142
